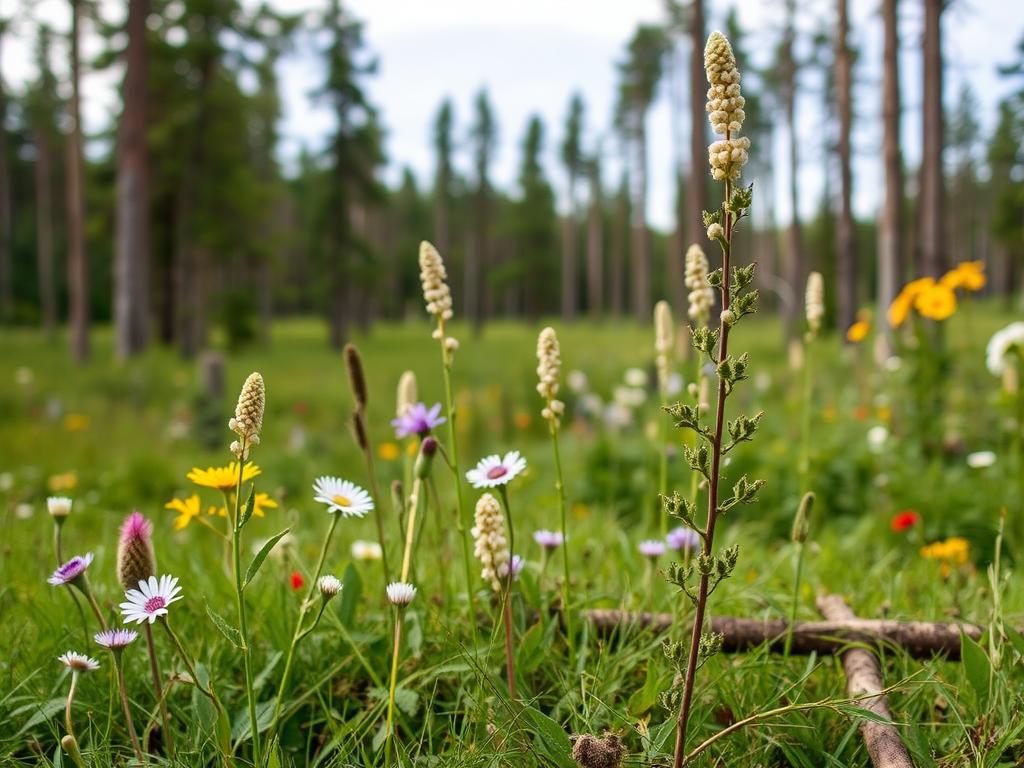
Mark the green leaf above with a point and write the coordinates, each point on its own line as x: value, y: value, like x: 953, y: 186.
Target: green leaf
x: 1016, y: 639
x: 976, y: 667
x: 250, y: 505
x: 353, y: 588
x: 233, y: 635
x: 44, y: 712
x: 257, y: 561
x: 554, y: 743
x: 407, y: 700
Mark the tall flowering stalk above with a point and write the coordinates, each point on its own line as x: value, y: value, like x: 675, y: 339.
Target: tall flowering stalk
x: 814, y: 311
x: 701, y: 299
x: 438, y: 298
x: 727, y: 157
x: 495, y: 555
x: 549, y: 373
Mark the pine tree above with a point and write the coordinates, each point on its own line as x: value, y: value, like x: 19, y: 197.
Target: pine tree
x: 78, y: 269
x: 846, y: 268
x: 573, y: 160
x: 933, y: 184
x: 890, y: 224
x: 535, y: 219
x: 444, y: 125
x: 483, y: 138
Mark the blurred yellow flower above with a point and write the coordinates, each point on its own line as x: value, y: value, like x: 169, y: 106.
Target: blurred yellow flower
x: 898, y: 310
x: 65, y: 481
x: 388, y: 451
x: 260, y: 503
x: 186, y: 509
x: 412, y: 448
x: 580, y: 510
x: 222, y: 478
x: 76, y: 422
x: 858, y: 331
x: 952, y: 552
x: 937, y: 302
x: 969, y: 275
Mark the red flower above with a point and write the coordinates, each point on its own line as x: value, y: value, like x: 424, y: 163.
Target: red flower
x: 901, y: 521
x: 297, y: 581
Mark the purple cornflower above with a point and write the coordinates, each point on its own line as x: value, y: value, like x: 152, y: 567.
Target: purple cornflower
x: 516, y: 566
x: 652, y: 548
x: 682, y: 538
x: 549, y: 539
x: 115, y: 639
x: 418, y: 420
x: 71, y: 571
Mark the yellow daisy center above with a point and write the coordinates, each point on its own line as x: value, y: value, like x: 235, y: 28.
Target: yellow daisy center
x: 341, y: 501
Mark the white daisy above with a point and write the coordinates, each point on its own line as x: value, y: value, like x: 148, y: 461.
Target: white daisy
x: 366, y: 550
x: 149, y: 602
x: 342, y: 496
x: 400, y: 593
x: 981, y: 459
x: 78, y: 662
x: 492, y: 471
x: 329, y: 586
x: 115, y: 639
x: 58, y: 506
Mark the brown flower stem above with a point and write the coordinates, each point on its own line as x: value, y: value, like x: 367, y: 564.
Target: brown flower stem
x: 123, y: 694
x: 82, y: 583
x: 158, y: 689
x: 709, y: 533
x: 510, y: 672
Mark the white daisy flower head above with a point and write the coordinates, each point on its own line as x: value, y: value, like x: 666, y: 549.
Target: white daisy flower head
x: 1004, y: 342
x: 329, y: 586
x: 115, y: 639
x: 494, y: 470
x: 400, y: 593
x: 59, y: 507
x: 149, y: 602
x: 78, y: 662
x: 981, y: 459
x: 635, y: 377
x: 366, y: 550
x: 342, y: 496
x: 877, y: 438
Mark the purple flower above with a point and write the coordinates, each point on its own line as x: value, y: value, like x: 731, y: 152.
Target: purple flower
x: 652, y: 548
x: 682, y: 538
x: 549, y: 539
x: 71, y: 570
x: 115, y: 639
x: 515, y: 566
x: 418, y: 420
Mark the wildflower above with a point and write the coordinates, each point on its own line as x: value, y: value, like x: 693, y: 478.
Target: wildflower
x: 814, y: 301
x: 149, y: 602
x: 76, y: 422
x: 433, y: 278
x: 71, y: 571
x: 952, y: 552
x: 969, y: 275
x: 549, y: 371
x: 25, y: 511
x: 136, y: 560
x: 904, y: 520
x: 186, y: 509
x: 24, y: 377
x: 515, y: 567
x: 418, y: 420
x: 342, y: 496
x: 522, y: 420
x: 802, y: 520
x: 877, y: 436
x: 494, y: 470
x: 59, y: 507
x: 65, y: 481
x: 248, y: 419
x: 548, y: 539
x: 296, y: 580
x: 329, y: 586
x: 715, y: 231
x: 701, y: 296
x: 78, y: 662
x: 1005, y: 343
x: 981, y: 459
x: 223, y: 478
x: 388, y: 451
x: 577, y: 381
x: 400, y: 593
x: 725, y: 110
x: 593, y: 752
x: 635, y: 377
x: 859, y: 331
x: 682, y: 538
x: 651, y: 548
x: 491, y: 540
x: 406, y: 395
x: 366, y: 550
x: 937, y: 302
x: 115, y: 639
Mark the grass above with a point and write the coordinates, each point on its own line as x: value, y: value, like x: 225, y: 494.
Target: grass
x: 130, y: 432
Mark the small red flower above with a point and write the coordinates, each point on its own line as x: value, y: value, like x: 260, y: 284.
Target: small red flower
x: 297, y: 581
x: 901, y: 521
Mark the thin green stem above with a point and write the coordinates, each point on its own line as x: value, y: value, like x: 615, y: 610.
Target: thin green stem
x: 378, y: 512
x: 392, y: 687
x: 510, y: 671
x: 797, y: 578
x: 410, y: 526
x: 68, y: 725
x: 236, y: 549
x: 805, y: 425
x: 123, y: 693
x: 82, y: 583
x: 662, y: 471
x: 158, y: 689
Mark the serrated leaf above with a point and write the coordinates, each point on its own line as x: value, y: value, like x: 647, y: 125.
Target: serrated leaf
x: 233, y: 635
x: 257, y: 561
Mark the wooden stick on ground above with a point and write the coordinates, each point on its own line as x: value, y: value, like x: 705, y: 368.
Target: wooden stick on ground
x: 920, y: 639
x: 864, y: 676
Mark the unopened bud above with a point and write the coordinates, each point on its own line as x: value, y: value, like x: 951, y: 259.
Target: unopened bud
x: 425, y: 460
x: 802, y: 521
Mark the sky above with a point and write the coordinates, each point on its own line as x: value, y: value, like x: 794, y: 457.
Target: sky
x: 531, y: 55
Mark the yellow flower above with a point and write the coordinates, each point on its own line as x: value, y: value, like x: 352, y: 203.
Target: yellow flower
x: 412, y: 448
x: 902, y: 304
x: 260, y: 503
x: 580, y: 511
x: 186, y: 509
x: 66, y: 481
x: 76, y: 422
x: 388, y: 451
x: 222, y: 478
x: 969, y: 275
x: 858, y: 331
x: 955, y: 551
x: 937, y: 302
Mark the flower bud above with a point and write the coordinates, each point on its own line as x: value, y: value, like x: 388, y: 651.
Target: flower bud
x: 135, y: 558
x: 802, y: 521
x: 425, y: 459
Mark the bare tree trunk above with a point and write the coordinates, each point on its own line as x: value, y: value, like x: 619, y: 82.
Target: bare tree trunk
x: 846, y: 253
x: 794, y: 260
x: 933, y: 256
x: 674, y: 259
x: 78, y: 278
x: 570, y: 270
x: 640, y: 255
x: 6, y: 293
x: 131, y: 251
x: 477, y: 259
x: 890, y: 240
x: 44, y: 233
x: 441, y: 214
x: 620, y: 244
x: 697, y: 193
x: 595, y: 246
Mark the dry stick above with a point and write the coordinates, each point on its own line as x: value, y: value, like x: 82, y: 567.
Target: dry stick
x: 864, y: 678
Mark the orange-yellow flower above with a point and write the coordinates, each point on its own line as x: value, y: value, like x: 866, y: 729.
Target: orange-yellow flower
x: 969, y: 275
x: 388, y: 451
x: 76, y: 422
x: 858, y: 331
x: 953, y: 552
x: 937, y: 302
x: 66, y: 481
x: 898, y: 310
x: 522, y: 420
x: 222, y: 478
x: 186, y: 509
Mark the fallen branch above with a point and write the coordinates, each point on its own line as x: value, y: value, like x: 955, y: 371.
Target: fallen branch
x: 920, y: 639
x: 864, y: 678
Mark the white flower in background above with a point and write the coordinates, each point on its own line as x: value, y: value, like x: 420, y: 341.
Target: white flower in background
x: 490, y: 541
x: 329, y: 586
x: 981, y: 459
x: 675, y: 384
x: 78, y: 662
x: 58, y: 506
x: 6, y: 481
x: 400, y: 593
x: 577, y: 382
x: 1004, y: 342
x: 877, y: 438
x: 494, y: 470
x: 591, y: 403
x: 23, y: 511
x: 342, y: 496
x: 701, y: 297
x: 617, y: 416
x: 814, y: 301
x: 366, y: 550
x: 24, y: 377
x: 629, y: 397
x: 893, y: 364
x: 635, y: 377
x: 763, y: 381
x: 149, y: 602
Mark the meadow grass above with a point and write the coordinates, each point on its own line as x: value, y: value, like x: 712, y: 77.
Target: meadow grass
x: 130, y: 432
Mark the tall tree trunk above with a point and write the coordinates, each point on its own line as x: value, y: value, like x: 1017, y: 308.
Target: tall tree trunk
x: 131, y: 250
x: 441, y: 213
x: 890, y: 239
x: 846, y: 254
x: 674, y: 260
x: 6, y: 238
x: 620, y: 239
x: 641, y: 242
x: 933, y: 256
x: 570, y: 270
x: 595, y: 248
x: 477, y: 259
x: 44, y: 232
x: 78, y: 277
x: 794, y: 260
x: 697, y: 193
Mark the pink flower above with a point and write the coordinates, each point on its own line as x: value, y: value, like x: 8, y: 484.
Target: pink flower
x: 71, y: 571
x: 418, y: 420
x: 136, y: 528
